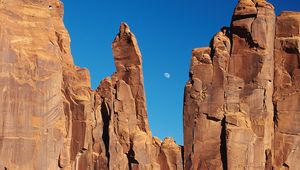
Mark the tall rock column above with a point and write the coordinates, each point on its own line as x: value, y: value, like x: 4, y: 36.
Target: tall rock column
x: 128, y: 61
x: 287, y: 91
x: 128, y: 140
x: 126, y: 135
x: 249, y: 106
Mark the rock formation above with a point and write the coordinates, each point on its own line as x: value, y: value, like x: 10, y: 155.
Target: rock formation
x: 232, y: 120
x: 51, y: 119
x: 286, y: 94
x: 128, y: 140
x: 241, y: 106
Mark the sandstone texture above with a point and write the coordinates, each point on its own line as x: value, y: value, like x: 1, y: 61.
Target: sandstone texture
x: 241, y: 106
x: 52, y: 119
x: 286, y: 93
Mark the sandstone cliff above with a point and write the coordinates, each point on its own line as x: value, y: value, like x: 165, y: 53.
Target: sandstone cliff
x: 51, y: 119
x: 241, y: 107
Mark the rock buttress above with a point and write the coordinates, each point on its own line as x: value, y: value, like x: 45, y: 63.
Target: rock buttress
x: 228, y: 107
x: 203, y: 105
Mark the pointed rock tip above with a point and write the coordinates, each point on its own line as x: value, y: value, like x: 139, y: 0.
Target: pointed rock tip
x: 124, y: 28
x: 169, y: 140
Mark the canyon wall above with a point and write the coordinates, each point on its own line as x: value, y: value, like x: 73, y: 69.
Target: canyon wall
x: 241, y: 106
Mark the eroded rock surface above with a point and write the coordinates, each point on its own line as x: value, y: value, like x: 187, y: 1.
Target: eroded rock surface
x: 232, y: 120
x: 35, y: 56
x: 287, y: 94
x: 51, y: 119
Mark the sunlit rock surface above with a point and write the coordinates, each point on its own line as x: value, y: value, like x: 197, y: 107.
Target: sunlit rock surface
x: 51, y: 119
x: 241, y: 107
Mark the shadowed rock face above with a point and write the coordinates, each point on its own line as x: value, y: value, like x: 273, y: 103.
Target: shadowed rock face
x: 241, y: 102
x: 51, y: 119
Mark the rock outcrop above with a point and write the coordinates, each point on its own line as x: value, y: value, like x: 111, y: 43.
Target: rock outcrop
x: 52, y: 119
x: 232, y: 120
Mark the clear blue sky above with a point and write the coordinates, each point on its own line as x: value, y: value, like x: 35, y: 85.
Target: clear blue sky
x: 166, y: 30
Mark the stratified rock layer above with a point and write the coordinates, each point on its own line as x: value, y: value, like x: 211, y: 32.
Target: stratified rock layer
x: 51, y: 119
x: 232, y: 120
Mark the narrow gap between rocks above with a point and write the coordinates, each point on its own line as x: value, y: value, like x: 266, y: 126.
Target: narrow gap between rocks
x: 105, y: 135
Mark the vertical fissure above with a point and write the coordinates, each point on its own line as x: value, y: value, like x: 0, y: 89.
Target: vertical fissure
x: 223, y: 149
x: 131, y: 157
x: 105, y: 135
x: 268, y: 154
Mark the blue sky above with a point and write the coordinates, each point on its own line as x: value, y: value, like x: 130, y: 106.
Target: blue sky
x: 166, y: 30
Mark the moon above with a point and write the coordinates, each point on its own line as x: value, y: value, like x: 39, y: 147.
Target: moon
x: 167, y: 75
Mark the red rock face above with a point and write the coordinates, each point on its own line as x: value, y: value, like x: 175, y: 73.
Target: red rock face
x: 287, y: 94
x: 34, y: 54
x: 250, y: 88
x: 48, y: 110
x: 232, y: 120
x: 203, y: 111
